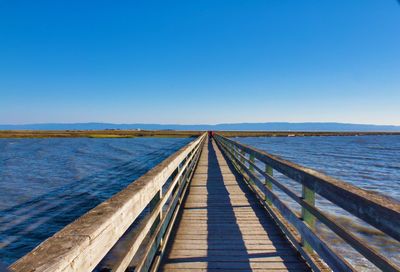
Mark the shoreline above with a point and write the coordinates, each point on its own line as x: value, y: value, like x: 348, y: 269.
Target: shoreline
x: 96, y: 134
x: 303, y: 133
x: 173, y: 133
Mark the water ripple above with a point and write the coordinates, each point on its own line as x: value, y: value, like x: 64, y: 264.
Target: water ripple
x: 48, y: 183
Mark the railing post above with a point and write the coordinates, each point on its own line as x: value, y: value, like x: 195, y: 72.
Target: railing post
x: 179, y: 170
x: 309, y: 197
x: 251, y: 167
x: 234, y: 150
x: 237, y: 150
x: 153, y: 203
x: 269, y: 171
x: 243, y: 154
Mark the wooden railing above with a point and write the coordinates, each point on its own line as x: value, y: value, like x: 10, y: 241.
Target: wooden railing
x: 83, y: 244
x: 379, y: 211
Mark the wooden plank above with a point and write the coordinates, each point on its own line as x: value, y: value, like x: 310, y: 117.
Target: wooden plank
x: 244, y: 258
x: 223, y: 246
x: 231, y: 242
x: 235, y: 265
x: 228, y: 252
x: 226, y: 237
x: 219, y: 270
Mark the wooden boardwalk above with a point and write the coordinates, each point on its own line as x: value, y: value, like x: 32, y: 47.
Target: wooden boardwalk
x: 222, y: 227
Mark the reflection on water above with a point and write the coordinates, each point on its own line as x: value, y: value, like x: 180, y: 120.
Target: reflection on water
x: 369, y: 162
x: 48, y: 183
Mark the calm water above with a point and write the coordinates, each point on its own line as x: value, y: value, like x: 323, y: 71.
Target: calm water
x: 47, y: 183
x: 369, y: 162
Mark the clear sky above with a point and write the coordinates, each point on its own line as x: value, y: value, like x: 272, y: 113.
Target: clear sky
x: 200, y: 61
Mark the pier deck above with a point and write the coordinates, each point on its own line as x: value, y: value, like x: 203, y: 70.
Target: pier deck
x: 222, y: 227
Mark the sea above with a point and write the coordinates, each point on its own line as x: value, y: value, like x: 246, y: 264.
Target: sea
x: 46, y: 184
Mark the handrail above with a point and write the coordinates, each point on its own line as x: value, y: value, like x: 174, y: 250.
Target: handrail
x: 379, y: 211
x: 82, y: 245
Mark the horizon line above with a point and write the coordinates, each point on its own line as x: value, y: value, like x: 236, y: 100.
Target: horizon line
x: 194, y: 124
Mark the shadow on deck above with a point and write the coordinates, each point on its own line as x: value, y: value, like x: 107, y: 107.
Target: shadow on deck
x: 222, y: 227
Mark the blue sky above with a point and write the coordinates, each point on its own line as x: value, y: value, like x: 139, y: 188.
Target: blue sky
x: 200, y: 61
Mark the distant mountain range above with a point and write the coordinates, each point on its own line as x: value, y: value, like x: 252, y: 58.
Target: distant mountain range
x: 272, y: 126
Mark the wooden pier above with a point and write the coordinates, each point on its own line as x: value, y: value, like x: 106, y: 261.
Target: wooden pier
x: 223, y: 227
x: 212, y: 206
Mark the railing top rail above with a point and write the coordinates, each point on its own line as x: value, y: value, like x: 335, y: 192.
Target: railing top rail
x: 380, y: 211
x: 83, y: 243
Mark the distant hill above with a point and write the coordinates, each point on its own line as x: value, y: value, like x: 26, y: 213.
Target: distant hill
x: 272, y: 126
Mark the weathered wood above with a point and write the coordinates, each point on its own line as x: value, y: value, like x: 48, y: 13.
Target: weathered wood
x: 224, y: 220
x: 155, y: 249
x: 121, y: 262
x: 368, y: 252
x: 81, y: 245
x: 337, y: 263
x: 309, y: 212
x: 243, y: 154
x: 309, y: 197
x: 153, y: 203
x: 269, y: 171
x: 226, y: 266
x: 378, y: 210
x: 222, y: 226
x: 175, y: 269
x: 252, y: 158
